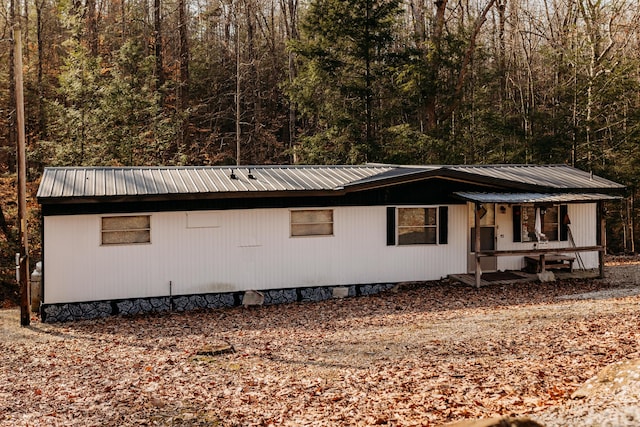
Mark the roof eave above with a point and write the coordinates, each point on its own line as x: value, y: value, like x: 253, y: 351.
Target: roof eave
x: 527, y: 198
x: 187, y: 196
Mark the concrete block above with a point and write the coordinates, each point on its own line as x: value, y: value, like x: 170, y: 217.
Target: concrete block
x: 252, y: 298
x: 547, y: 276
x: 340, y: 292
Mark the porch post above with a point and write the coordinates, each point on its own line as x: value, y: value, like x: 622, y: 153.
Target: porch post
x: 477, y: 243
x: 603, y: 238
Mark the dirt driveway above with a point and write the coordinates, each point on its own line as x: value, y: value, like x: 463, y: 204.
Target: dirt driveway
x: 423, y: 356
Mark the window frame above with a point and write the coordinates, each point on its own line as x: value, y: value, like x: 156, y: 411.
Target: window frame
x: 544, y: 218
x: 293, y: 224
x: 436, y: 226
x: 125, y: 230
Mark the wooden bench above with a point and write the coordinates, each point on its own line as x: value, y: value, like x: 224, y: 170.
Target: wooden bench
x: 548, y: 262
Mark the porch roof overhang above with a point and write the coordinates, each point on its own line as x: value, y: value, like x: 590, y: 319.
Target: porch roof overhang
x: 512, y: 198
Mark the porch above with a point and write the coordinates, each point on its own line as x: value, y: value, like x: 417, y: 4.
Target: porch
x: 540, y: 257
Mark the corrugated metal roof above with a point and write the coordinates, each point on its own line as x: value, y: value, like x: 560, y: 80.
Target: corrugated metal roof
x: 113, y: 182
x: 534, y: 197
x: 521, y: 177
x: 144, y: 181
x: 551, y: 176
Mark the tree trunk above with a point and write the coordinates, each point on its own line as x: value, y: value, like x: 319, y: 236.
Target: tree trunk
x: 26, y: 29
x: 42, y: 118
x: 418, y: 21
x: 123, y: 19
x: 238, y: 94
x: 183, y: 86
x: 11, y: 116
x: 157, y: 43
x: 252, y: 79
x: 290, y: 11
x: 468, y: 56
x: 502, y: 62
x: 434, y: 64
x: 632, y: 221
x: 184, y: 53
x: 368, y: 90
x: 5, y: 228
x: 92, y: 27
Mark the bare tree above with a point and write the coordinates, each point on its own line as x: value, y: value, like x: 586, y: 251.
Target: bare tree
x: 11, y: 115
x: 157, y: 42
x: 435, y: 61
x: 92, y: 26
x: 183, y: 77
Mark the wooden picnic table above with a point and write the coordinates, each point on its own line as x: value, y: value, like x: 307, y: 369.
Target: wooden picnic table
x: 548, y: 262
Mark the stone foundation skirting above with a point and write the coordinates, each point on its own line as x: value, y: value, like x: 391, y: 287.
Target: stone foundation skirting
x: 64, y: 312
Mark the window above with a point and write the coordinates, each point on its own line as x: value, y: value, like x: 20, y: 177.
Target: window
x: 486, y: 212
x: 417, y: 226
x: 122, y: 230
x: 549, y: 217
x: 549, y: 222
x: 316, y: 222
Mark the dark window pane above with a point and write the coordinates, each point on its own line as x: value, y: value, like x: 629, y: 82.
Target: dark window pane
x: 416, y: 235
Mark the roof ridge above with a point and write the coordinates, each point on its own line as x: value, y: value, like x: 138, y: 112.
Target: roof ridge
x: 363, y: 166
x: 513, y: 165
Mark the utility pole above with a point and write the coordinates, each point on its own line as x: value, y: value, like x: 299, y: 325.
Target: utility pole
x: 21, y: 166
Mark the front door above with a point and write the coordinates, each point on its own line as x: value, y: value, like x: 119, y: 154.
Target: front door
x: 487, y: 237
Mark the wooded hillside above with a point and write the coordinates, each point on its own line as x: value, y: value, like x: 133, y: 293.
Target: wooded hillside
x: 161, y: 82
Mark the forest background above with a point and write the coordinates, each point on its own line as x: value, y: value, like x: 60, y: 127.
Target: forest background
x: 209, y: 82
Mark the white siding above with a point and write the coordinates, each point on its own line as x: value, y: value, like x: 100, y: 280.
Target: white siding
x: 583, y: 226
x: 237, y: 250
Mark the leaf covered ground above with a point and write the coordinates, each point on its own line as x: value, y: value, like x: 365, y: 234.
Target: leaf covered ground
x: 427, y: 355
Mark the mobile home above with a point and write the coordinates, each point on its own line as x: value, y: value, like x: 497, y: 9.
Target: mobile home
x: 133, y: 239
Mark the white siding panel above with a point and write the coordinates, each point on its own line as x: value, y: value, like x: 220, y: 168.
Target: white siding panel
x: 584, y: 226
x: 202, y: 220
x: 80, y: 269
x: 248, y: 249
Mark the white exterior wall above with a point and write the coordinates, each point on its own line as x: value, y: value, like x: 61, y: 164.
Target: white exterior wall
x: 237, y: 250
x: 583, y: 226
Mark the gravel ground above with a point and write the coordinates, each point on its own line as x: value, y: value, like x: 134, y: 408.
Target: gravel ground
x: 610, y: 402
x: 611, y: 398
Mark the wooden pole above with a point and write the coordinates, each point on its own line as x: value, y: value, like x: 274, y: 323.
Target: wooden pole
x: 477, y: 244
x: 603, y: 238
x: 630, y: 217
x: 25, y: 316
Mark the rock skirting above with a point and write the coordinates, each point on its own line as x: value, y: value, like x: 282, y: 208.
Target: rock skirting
x: 129, y: 307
